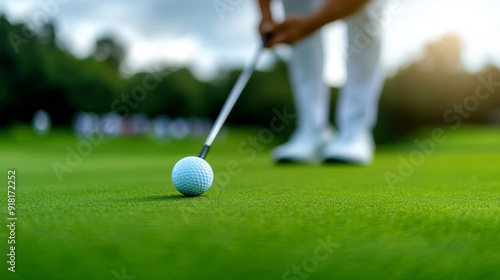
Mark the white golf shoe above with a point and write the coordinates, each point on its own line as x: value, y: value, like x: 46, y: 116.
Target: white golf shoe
x: 303, y: 147
x: 354, y: 149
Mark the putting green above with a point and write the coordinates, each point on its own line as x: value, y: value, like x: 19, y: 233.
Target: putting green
x: 117, y: 216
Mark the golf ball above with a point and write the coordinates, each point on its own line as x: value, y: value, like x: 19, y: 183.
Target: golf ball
x: 192, y: 176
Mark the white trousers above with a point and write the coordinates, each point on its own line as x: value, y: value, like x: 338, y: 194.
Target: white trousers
x: 358, y: 101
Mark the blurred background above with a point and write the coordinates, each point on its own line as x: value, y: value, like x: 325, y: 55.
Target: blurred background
x: 166, y: 67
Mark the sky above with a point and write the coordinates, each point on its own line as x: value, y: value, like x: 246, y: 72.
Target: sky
x: 209, y: 35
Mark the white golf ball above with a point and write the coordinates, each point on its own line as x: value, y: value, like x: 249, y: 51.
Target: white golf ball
x: 192, y: 176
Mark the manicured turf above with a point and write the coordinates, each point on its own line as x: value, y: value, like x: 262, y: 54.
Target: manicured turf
x: 117, y: 214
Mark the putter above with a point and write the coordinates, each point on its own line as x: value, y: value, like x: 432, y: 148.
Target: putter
x: 232, y: 98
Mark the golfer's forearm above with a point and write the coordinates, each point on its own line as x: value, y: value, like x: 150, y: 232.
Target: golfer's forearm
x: 265, y: 9
x: 333, y: 10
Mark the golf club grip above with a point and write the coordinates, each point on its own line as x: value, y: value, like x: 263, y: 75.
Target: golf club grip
x: 233, y: 97
x: 266, y: 38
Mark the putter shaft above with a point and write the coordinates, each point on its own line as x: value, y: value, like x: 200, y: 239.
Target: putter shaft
x: 231, y: 100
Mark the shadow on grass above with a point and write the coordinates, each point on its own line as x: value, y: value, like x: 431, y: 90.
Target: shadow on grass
x: 156, y: 198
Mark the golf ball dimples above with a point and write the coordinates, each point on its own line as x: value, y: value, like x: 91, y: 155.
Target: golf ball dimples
x: 192, y: 176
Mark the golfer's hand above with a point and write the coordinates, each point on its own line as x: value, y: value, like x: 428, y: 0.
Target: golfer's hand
x: 292, y: 30
x: 265, y: 28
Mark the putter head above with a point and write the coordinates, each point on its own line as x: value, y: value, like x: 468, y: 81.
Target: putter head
x: 204, y: 151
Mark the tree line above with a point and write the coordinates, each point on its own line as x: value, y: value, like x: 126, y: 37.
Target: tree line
x: 36, y: 73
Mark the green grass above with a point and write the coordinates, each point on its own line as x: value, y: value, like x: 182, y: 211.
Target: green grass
x: 118, y: 209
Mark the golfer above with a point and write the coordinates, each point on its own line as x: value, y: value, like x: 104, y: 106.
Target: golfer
x: 314, y: 139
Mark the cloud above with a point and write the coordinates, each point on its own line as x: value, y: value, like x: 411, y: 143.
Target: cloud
x: 194, y: 32
x: 178, y: 27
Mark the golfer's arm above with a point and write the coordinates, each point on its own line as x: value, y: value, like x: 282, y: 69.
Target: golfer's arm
x: 265, y: 9
x: 333, y: 10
